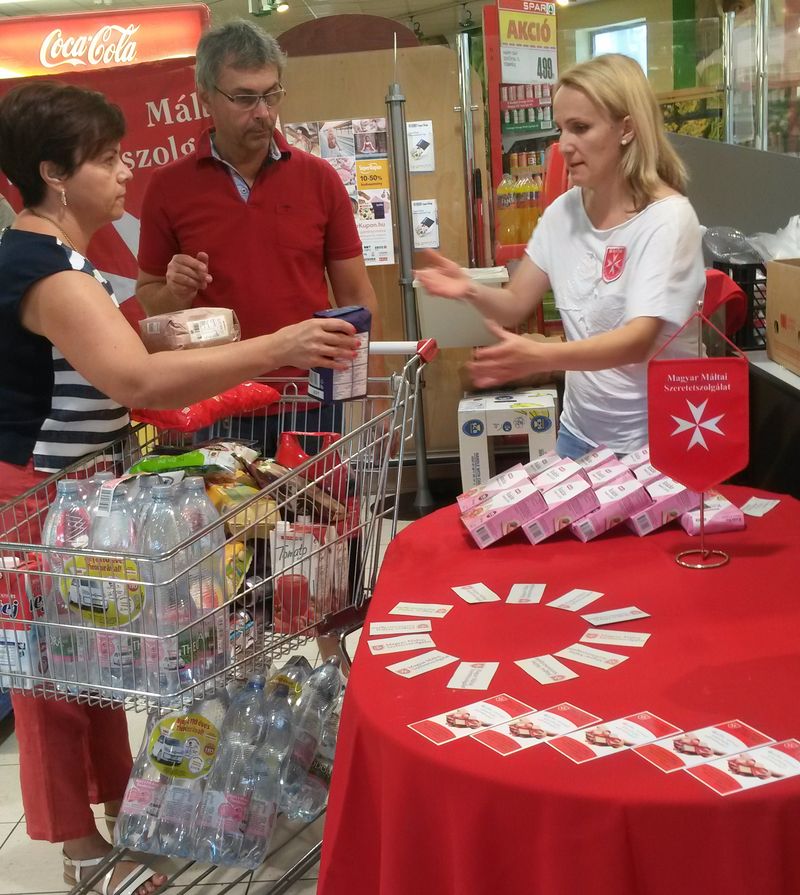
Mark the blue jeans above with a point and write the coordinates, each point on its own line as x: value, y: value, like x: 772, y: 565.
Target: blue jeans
x: 569, y: 446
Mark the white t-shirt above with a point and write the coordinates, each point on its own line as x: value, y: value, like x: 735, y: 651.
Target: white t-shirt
x: 649, y: 266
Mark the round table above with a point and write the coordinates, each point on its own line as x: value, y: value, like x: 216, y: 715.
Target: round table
x: 406, y: 816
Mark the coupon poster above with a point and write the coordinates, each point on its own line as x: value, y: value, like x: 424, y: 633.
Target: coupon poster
x: 425, y: 217
x: 357, y: 149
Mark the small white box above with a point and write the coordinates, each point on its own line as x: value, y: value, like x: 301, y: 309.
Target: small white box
x: 565, y: 504
x: 511, y: 478
x: 617, y: 503
x: 531, y: 412
x: 503, y: 513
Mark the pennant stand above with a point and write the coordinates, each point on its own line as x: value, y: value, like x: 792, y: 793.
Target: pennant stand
x: 721, y: 382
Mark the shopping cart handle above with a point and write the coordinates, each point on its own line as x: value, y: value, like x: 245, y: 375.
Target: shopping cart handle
x: 427, y: 349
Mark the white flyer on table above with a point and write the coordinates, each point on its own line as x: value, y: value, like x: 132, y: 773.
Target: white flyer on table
x: 476, y: 593
x: 464, y: 721
x: 699, y: 746
x: 531, y: 730
x: 422, y: 664
x: 525, y: 593
x: 614, y: 616
x: 769, y: 764
x: 546, y: 669
x: 575, y: 599
x: 758, y: 506
x: 588, y: 655
x: 427, y: 610
x: 381, y: 628
x: 473, y: 675
x: 611, y: 737
x: 400, y: 644
x: 615, y: 638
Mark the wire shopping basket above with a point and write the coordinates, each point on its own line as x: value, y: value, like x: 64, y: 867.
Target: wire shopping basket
x: 293, y: 560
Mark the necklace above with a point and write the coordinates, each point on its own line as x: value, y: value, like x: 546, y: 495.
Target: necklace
x: 44, y: 217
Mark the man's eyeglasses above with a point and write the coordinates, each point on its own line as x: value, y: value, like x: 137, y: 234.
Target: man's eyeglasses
x: 248, y: 101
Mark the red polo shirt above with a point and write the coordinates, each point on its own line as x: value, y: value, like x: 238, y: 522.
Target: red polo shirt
x: 267, y: 255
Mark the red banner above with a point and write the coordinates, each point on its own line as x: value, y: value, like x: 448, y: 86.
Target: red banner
x: 698, y: 412
x: 164, y: 118
x: 52, y: 45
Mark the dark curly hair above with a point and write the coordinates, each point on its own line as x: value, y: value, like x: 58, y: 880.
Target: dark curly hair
x: 46, y: 121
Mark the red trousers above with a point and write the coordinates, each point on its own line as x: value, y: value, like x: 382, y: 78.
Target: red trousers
x: 71, y: 756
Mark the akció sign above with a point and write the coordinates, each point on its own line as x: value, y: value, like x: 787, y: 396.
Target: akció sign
x: 51, y: 45
x: 528, y: 41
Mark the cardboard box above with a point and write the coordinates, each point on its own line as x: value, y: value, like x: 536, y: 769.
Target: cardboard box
x: 481, y: 493
x: 600, y: 456
x: 647, y: 473
x: 557, y: 475
x: 565, y: 504
x: 614, y: 472
x: 531, y: 412
x: 637, y: 458
x: 616, y: 504
x: 546, y: 461
x: 721, y: 515
x: 328, y: 385
x: 783, y: 313
x: 670, y: 499
x: 503, y: 513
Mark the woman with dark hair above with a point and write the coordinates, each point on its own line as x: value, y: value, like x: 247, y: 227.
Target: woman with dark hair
x: 70, y: 365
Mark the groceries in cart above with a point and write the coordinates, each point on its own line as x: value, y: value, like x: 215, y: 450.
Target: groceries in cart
x: 210, y: 780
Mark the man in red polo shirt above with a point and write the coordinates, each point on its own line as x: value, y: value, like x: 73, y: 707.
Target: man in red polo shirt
x: 245, y: 221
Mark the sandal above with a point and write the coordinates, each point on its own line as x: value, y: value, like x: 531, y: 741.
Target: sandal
x: 74, y: 872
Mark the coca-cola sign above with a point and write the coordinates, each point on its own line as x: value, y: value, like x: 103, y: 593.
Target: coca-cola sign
x: 109, y: 45
x: 39, y: 45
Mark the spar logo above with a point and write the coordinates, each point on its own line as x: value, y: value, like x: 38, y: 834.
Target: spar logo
x: 109, y: 45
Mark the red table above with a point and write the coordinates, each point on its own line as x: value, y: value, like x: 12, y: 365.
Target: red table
x: 408, y: 817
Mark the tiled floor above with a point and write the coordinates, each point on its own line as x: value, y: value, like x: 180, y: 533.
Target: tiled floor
x: 34, y: 868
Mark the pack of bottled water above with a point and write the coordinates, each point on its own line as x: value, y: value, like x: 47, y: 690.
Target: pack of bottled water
x: 210, y: 780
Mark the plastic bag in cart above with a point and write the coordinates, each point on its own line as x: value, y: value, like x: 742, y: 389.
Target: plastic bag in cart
x: 242, y: 399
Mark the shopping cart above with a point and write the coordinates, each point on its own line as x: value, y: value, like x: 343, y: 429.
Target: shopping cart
x: 296, y: 559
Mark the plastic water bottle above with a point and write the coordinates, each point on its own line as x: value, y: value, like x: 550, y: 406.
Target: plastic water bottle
x: 312, y: 796
x: 220, y: 822
x: 206, y: 563
x: 294, y: 675
x: 311, y: 712
x: 70, y: 649
x: 90, y: 487
x: 115, y: 605
x: 170, y: 659
x: 140, y: 498
x: 265, y: 779
x: 185, y: 747
x: 138, y: 816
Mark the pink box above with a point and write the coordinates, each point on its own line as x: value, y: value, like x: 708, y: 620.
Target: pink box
x: 608, y: 475
x: 636, y: 458
x: 670, y: 499
x: 721, y: 515
x: 600, y: 456
x: 616, y: 503
x: 565, y: 503
x: 481, y: 493
x: 501, y: 514
x: 557, y: 475
x: 647, y: 473
x: 546, y: 461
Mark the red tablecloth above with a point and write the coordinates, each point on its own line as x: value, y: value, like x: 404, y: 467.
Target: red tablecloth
x: 406, y: 816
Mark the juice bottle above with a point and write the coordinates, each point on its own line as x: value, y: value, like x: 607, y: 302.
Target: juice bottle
x: 505, y: 220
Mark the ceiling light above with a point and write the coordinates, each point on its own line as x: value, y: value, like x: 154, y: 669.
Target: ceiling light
x: 282, y: 7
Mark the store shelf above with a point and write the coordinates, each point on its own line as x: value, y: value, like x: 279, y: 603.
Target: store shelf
x: 510, y: 104
x: 528, y: 127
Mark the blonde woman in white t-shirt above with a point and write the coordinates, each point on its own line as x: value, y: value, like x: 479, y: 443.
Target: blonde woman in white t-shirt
x: 621, y: 251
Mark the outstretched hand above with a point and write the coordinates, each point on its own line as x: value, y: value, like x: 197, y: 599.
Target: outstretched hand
x: 511, y: 359
x: 443, y: 277
x: 319, y: 342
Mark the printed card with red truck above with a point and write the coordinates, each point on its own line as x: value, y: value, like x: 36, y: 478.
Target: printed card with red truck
x: 611, y: 737
x: 768, y: 764
x: 539, y: 727
x: 464, y: 721
x: 699, y: 746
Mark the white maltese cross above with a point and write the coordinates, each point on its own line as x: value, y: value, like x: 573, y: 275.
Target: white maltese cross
x: 697, y: 424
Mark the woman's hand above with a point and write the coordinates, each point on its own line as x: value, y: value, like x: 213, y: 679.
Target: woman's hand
x: 444, y: 278
x: 319, y: 342
x: 512, y: 358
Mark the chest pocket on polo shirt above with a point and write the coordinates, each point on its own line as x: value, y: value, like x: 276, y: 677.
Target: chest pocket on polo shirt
x: 299, y: 227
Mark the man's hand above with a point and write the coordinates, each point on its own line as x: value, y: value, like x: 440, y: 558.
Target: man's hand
x: 444, y: 278
x: 186, y: 276
x: 320, y: 342
x: 512, y: 358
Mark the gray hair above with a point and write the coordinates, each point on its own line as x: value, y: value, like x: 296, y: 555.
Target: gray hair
x: 240, y: 44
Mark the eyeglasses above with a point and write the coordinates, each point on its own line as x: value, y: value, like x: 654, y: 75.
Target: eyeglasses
x: 249, y: 101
